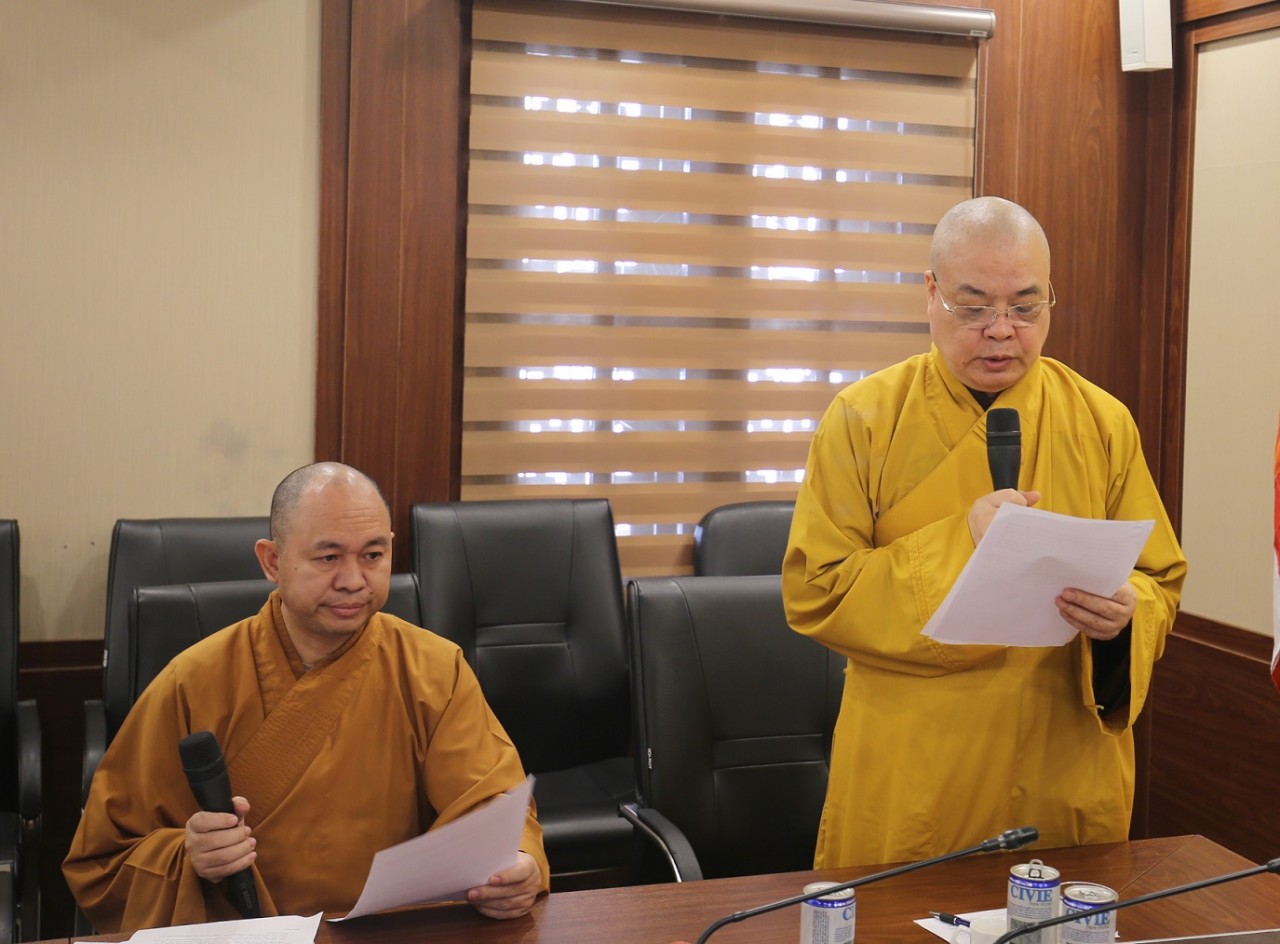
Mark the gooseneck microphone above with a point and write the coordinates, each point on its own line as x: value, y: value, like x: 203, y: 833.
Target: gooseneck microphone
x: 1009, y: 839
x: 1004, y: 447
x: 1272, y: 866
x: 207, y: 773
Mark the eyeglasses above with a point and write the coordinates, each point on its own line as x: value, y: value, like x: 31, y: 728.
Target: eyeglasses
x: 982, y: 317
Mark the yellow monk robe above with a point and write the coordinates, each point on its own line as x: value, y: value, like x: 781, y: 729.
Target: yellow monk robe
x: 938, y: 747
x: 376, y: 744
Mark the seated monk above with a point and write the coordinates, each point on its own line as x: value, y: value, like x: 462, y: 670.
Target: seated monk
x: 345, y: 729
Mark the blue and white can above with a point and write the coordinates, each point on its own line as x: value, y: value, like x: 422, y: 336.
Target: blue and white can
x: 1033, y: 896
x: 827, y: 919
x: 1090, y: 928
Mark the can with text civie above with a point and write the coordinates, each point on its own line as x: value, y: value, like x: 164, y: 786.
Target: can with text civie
x: 1033, y: 896
x: 827, y: 919
x: 1089, y: 928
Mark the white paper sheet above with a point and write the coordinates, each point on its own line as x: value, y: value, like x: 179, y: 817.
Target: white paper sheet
x: 286, y: 929
x: 947, y: 931
x: 1004, y: 596
x: 442, y: 864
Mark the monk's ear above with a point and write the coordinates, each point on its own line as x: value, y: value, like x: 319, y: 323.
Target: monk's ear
x: 268, y: 558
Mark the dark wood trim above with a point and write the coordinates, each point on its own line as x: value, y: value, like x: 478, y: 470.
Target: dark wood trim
x: 335, y: 107
x: 1156, y: 370
x: 1215, y: 719
x: 388, y: 374
x: 1227, y: 638
x: 58, y: 654
x: 1257, y: 18
x: 1186, y: 11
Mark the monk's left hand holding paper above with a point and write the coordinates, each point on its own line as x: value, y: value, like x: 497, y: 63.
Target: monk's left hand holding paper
x: 511, y: 892
x: 1098, y: 617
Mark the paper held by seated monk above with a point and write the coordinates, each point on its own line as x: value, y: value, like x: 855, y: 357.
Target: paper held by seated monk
x: 442, y: 864
x: 1004, y: 595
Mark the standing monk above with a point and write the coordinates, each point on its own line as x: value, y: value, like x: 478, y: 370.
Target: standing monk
x: 345, y: 729
x: 937, y: 746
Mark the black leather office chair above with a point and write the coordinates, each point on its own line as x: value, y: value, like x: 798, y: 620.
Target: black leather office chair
x: 157, y: 552
x: 734, y: 714
x: 163, y: 621
x: 742, y: 539
x: 531, y: 591
x: 20, y: 756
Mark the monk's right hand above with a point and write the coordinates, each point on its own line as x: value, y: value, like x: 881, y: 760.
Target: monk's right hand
x: 220, y: 844
x: 985, y: 508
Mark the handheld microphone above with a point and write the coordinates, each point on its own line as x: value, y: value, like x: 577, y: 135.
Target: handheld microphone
x: 207, y: 773
x: 1004, y: 447
x: 1272, y: 866
x: 1009, y: 839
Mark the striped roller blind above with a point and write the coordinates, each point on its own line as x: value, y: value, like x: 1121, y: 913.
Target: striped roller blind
x: 686, y: 233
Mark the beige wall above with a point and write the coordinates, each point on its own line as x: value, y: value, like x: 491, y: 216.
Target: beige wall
x: 1233, y: 349
x: 158, y: 218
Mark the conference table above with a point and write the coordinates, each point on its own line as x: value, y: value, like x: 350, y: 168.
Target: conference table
x: 660, y: 914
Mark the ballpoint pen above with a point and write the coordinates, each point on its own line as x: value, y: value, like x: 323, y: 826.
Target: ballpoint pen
x: 950, y: 919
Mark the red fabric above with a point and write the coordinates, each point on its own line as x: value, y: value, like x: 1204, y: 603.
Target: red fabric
x: 1275, y: 656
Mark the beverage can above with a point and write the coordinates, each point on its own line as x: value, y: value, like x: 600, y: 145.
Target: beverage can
x: 827, y: 919
x: 1033, y: 896
x: 1081, y: 898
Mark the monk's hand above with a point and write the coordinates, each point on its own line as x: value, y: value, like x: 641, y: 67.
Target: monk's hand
x: 511, y: 892
x: 220, y: 844
x: 985, y: 508
x: 1098, y: 617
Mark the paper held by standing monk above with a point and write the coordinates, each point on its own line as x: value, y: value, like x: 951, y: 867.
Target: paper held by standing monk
x: 1004, y: 596
x: 440, y: 865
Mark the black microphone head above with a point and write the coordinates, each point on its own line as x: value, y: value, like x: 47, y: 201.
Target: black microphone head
x: 1003, y: 420
x: 1017, y: 838
x: 201, y: 756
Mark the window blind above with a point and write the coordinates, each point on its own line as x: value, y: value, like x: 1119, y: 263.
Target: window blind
x: 685, y: 234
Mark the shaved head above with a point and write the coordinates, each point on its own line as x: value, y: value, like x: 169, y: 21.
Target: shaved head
x: 315, y: 477
x: 987, y: 221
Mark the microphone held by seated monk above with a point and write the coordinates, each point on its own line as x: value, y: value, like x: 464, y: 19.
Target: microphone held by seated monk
x: 206, y: 771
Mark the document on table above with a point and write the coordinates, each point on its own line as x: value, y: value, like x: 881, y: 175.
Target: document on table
x: 442, y: 864
x: 946, y: 931
x: 287, y: 929
x: 1004, y: 596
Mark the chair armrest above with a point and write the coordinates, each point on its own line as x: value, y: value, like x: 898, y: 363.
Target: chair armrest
x: 95, y: 745
x: 10, y: 832
x: 30, y: 803
x: 8, y: 933
x: 667, y: 837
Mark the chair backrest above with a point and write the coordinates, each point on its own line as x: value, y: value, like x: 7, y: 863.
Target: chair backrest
x: 532, y: 592
x: 734, y: 714
x: 742, y: 539
x: 162, y: 551
x: 163, y: 621
x: 9, y: 577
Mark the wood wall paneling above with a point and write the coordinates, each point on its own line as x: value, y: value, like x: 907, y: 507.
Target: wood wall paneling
x: 1187, y: 10
x: 1215, y: 744
x: 335, y: 130
x: 388, y: 373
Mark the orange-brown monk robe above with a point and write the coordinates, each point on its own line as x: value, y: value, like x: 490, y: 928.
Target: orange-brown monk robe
x: 376, y: 744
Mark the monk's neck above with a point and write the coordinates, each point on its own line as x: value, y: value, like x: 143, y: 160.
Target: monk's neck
x: 312, y: 647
